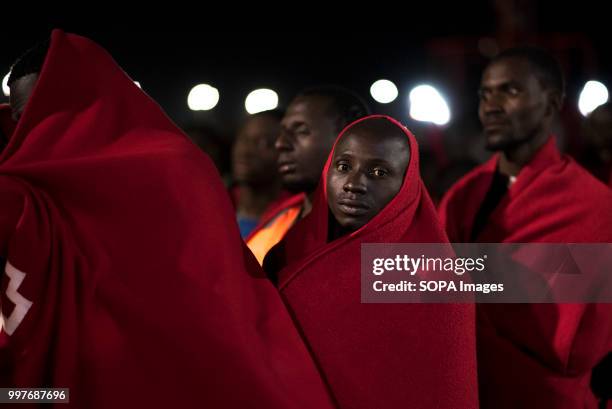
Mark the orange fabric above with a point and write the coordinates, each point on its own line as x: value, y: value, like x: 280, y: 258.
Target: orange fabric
x: 273, y: 232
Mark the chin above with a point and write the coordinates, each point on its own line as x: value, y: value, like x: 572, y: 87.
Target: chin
x: 349, y: 224
x: 497, y: 142
x: 297, y: 185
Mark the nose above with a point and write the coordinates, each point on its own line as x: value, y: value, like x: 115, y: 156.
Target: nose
x: 491, y: 105
x: 282, y: 143
x: 355, y: 183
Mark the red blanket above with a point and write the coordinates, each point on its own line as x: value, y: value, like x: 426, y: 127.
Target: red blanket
x: 537, y: 355
x: 126, y: 278
x: 378, y: 355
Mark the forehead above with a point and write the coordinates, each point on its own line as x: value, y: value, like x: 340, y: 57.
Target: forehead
x: 370, y: 145
x: 258, y: 128
x: 308, y: 108
x: 512, y: 69
x: 260, y: 123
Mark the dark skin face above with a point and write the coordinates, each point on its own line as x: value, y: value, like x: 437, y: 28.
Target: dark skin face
x: 21, y: 90
x: 515, y: 107
x: 308, y: 131
x: 367, y: 171
x: 253, y: 155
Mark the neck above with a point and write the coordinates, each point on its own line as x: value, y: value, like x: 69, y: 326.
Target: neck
x: 512, y: 160
x: 334, y: 230
x: 253, y: 200
x: 306, y: 205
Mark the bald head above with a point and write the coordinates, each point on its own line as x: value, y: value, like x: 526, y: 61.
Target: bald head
x: 381, y: 130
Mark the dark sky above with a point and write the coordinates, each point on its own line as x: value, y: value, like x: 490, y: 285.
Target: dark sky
x: 169, y: 60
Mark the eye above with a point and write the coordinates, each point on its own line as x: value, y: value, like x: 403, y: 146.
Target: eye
x: 513, y: 91
x: 342, y: 167
x: 379, y: 172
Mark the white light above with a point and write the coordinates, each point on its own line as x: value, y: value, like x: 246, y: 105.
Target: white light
x: 383, y: 91
x: 261, y: 100
x: 428, y: 105
x: 5, y: 88
x: 203, y: 97
x: 593, y: 95
x: 137, y: 84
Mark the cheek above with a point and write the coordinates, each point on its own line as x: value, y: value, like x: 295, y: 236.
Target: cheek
x: 334, y: 185
x: 316, y: 148
x: 386, y: 193
x: 480, y: 112
x: 269, y: 155
x: 529, y: 113
x: 303, y: 151
x: 235, y: 151
x: 527, y: 121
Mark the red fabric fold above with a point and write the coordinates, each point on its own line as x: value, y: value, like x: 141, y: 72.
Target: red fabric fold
x: 127, y: 248
x: 537, y: 355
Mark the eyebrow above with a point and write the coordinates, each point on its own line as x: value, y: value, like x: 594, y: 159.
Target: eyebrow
x: 293, y: 125
x: 369, y: 161
x: 344, y: 155
x: 500, y: 84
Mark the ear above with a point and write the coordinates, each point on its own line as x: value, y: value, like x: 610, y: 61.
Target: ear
x: 555, y: 101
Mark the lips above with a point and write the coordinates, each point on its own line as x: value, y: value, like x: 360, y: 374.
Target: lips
x: 353, y: 207
x: 494, y: 124
x: 286, y: 166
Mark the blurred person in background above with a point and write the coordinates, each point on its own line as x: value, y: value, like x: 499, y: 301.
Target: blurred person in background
x: 597, y: 157
x: 256, y: 182
x: 308, y: 130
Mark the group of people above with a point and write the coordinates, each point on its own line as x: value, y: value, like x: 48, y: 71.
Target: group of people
x: 132, y: 277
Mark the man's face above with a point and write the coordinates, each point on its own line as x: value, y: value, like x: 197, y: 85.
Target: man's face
x: 21, y: 89
x: 308, y: 131
x: 514, y: 105
x: 366, y: 173
x: 253, y: 155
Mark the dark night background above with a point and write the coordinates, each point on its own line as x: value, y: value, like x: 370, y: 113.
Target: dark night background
x: 446, y: 44
x: 441, y: 44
